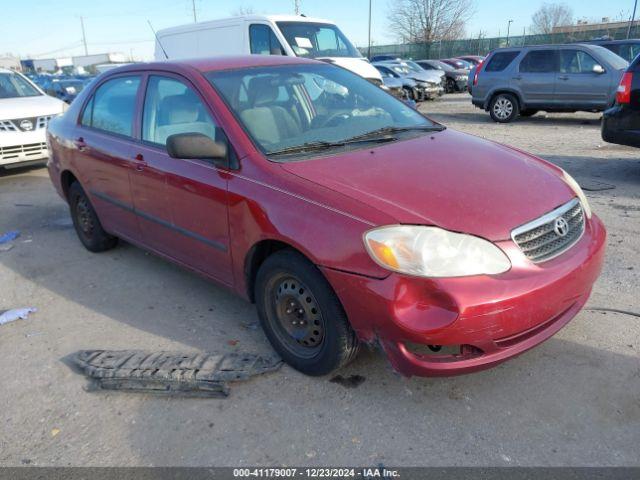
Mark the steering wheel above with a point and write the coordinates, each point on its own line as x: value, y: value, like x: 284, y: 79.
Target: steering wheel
x: 335, y: 119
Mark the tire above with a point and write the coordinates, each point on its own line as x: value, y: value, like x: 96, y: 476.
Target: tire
x: 528, y: 113
x: 451, y: 85
x: 290, y: 289
x: 86, y: 222
x: 504, y: 108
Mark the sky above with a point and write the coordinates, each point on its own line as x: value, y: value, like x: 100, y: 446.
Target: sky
x: 52, y: 29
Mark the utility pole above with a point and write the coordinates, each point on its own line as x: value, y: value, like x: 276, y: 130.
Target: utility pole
x: 296, y: 7
x: 633, y: 17
x: 193, y: 7
x: 369, y: 49
x: 508, y: 30
x: 84, y: 37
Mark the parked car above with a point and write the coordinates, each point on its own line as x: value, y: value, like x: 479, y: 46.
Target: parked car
x: 345, y: 215
x: 627, y: 49
x: 409, y: 85
x: 25, y: 111
x: 621, y: 123
x: 385, y: 58
x: 474, y: 60
x: 419, y: 85
x: 394, y: 85
x: 556, y: 78
x: 66, y: 89
x: 290, y: 35
x: 456, y: 79
x: 457, y: 63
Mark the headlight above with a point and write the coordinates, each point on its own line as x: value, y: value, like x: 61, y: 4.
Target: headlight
x: 578, y: 191
x: 433, y: 252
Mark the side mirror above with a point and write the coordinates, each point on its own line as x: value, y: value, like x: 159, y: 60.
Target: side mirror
x: 598, y: 69
x: 196, y: 146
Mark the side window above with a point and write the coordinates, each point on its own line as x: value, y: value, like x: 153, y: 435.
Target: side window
x: 539, y: 61
x: 87, y: 114
x: 112, y: 106
x: 263, y: 41
x: 628, y: 51
x: 171, y: 107
x: 500, y: 61
x: 576, y: 61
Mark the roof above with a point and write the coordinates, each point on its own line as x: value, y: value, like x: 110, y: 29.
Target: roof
x: 257, y: 18
x: 225, y: 62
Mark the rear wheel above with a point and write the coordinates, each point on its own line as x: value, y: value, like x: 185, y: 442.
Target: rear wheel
x: 503, y: 108
x: 86, y: 222
x: 301, y: 315
x: 451, y: 85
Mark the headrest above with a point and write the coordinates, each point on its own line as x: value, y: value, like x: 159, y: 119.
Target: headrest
x: 178, y: 109
x: 262, y: 91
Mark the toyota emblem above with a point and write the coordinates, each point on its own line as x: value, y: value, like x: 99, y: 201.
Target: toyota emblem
x: 561, y: 227
x: 26, y: 125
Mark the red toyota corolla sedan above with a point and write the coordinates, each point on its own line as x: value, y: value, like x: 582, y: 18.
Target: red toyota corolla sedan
x: 344, y: 214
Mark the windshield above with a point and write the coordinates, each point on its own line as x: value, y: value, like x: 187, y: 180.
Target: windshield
x: 611, y: 58
x: 413, y: 66
x: 13, y: 85
x: 313, y: 40
x: 293, y: 105
x: 444, y: 66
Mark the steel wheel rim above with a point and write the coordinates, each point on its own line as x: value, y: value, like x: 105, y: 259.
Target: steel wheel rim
x: 297, y: 318
x: 503, y: 108
x: 85, y: 219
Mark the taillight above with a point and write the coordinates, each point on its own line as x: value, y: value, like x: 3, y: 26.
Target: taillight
x: 623, y: 94
x: 477, y: 72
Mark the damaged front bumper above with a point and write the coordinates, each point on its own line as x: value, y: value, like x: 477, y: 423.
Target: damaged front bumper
x: 471, y: 323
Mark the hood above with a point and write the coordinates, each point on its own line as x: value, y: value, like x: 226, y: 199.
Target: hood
x: 460, y: 72
x: 453, y: 180
x: 26, y: 107
x: 358, y: 65
x: 392, y: 82
x: 427, y: 76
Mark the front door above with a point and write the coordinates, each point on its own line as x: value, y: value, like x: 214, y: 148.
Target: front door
x: 103, y: 153
x: 181, y: 204
x: 536, y: 77
x: 578, y: 84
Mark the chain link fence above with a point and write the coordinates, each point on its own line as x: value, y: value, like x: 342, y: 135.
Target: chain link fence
x: 482, y: 46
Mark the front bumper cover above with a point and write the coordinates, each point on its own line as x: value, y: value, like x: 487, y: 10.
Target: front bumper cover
x: 491, y: 318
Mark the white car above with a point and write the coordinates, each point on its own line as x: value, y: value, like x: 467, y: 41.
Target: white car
x: 25, y: 111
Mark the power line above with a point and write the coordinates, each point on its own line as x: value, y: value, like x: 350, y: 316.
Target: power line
x: 84, y: 37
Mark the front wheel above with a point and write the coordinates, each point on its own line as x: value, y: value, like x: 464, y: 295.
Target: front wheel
x: 503, y: 108
x: 302, y: 316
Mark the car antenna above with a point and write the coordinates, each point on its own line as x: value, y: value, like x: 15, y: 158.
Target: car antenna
x: 158, y: 40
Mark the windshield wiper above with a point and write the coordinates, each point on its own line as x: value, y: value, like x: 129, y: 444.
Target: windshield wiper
x: 392, y: 129
x: 322, y: 145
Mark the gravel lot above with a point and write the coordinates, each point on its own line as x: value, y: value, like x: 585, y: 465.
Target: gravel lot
x: 574, y: 400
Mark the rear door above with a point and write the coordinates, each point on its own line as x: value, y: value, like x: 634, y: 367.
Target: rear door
x: 536, y: 77
x: 578, y: 85
x: 102, y: 152
x: 181, y: 204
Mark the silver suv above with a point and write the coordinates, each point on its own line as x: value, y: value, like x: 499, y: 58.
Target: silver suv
x: 554, y: 78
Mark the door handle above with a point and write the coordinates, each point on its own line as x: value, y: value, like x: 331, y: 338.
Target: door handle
x: 518, y: 77
x: 80, y: 144
x: 563, y: 77
x: 140, y: 163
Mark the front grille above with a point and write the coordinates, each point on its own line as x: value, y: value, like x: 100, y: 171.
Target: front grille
x: 32, y: 123
x: 543, y: 239
x: 24, y: 151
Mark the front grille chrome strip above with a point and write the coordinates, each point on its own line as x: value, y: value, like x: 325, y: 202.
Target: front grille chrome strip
x: 538, y: 239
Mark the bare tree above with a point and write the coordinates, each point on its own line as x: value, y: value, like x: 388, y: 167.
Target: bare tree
x: 551, y: 15
x: 429, y: 20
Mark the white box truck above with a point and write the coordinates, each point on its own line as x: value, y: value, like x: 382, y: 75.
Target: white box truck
x: 291, y: 35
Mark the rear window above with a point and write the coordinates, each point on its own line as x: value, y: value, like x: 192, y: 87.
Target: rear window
x: 540, y: 61
x: 501, y: 60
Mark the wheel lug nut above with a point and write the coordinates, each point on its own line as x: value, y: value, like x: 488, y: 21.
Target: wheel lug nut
x: 301, y: 311
x: 289, y: 310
